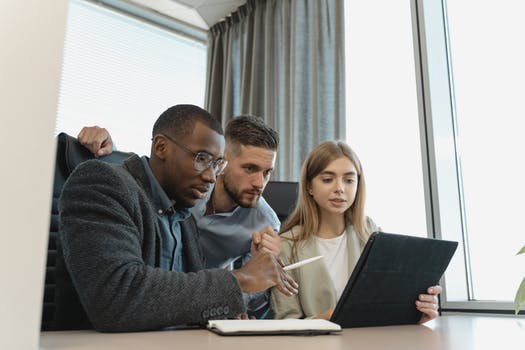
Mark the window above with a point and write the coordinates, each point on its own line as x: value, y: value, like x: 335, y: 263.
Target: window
x: 434, y: 111
x: 122, y: 73
x: 488, y: 68
x: 382, y: 112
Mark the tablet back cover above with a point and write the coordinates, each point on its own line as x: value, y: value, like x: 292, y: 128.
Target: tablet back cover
x: 389, y: 276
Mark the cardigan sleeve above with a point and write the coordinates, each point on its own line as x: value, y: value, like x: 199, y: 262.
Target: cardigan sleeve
x: 107, y: 229
x: 284, y: 306
x: 371, y: 225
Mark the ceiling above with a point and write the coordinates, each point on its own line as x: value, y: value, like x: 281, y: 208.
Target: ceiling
x: 202, y: 14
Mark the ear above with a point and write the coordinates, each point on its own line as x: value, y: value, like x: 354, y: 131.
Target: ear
x: 159, y: 147
x: 227, y: 153
x: 232, y: 151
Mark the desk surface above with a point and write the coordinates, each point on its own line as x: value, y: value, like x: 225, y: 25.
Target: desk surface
x: 446, y: 332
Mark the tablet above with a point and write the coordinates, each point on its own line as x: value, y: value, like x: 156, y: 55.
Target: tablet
x: 390, y: 274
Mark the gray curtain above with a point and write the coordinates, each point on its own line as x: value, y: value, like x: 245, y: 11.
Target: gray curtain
x: 282, y: 60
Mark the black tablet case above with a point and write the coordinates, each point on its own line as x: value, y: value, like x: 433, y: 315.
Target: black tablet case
x: 390, y: 274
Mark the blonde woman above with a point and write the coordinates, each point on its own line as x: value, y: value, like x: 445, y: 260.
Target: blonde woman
x: 329, y: 220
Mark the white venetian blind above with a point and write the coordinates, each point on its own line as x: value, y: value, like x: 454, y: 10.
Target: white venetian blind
x: 122, y: 73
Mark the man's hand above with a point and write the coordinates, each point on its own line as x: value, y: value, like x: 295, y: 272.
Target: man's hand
x: 267, y: 241
x: 96, y: 139
x: 428, y: 304
x: 245, y: 317
x: 264, y: 271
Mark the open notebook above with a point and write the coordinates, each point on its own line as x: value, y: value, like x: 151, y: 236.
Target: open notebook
x: 273, y: 327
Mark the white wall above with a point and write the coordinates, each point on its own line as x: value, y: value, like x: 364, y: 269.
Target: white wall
x: 31, y: 37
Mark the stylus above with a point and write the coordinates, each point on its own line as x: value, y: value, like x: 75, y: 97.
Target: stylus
x: 301, y: 263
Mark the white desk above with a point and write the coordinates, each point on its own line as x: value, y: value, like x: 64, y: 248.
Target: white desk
x: 450, y: 332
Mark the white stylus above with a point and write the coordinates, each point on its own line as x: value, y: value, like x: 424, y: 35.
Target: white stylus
x: 301, y: 263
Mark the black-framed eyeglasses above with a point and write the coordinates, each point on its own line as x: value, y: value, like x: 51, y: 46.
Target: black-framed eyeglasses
x: 202, y: 160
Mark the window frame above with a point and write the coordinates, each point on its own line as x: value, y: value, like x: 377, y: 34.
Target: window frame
x: 441, y: 157
x: 155, y: 18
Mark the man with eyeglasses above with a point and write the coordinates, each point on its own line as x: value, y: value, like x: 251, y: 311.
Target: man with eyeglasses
x: 131, y: 246
x: 234, y: 211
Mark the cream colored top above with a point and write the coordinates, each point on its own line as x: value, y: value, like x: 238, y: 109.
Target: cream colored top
x: 335, y: 258
x: 316, y: 289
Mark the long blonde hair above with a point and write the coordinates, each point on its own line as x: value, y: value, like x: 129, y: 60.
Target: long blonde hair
x: 306, y: 212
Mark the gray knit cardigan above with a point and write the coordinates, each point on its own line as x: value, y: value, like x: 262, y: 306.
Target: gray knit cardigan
x: 111, y: 247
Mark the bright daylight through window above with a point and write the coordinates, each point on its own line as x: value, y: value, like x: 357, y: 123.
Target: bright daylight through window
x: 475, y: 174
x: 122, y: 73
x: 487, y: 60
x: 382, y: 112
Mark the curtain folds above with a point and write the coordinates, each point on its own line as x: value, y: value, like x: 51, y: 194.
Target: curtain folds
x: 282, y: 60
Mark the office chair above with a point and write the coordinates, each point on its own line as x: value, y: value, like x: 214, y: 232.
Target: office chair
x: 281, y: 196
x: 69, y: 154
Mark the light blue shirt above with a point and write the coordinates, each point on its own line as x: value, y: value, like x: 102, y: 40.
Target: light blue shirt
x: 224, y: 237
x: 169, y: 223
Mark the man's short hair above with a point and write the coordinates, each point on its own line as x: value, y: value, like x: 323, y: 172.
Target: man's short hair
x: 249, y: 130
x: 180, y: 120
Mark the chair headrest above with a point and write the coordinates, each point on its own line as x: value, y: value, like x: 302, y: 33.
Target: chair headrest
x: 70, y: 153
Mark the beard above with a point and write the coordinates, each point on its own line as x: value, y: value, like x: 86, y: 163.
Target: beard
x: 237, y: 195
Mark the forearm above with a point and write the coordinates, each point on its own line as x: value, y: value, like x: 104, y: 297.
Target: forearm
x: 152, y: 299
x: 121, y: 293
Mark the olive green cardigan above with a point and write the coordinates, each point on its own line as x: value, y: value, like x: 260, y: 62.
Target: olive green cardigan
x: 316, y: 290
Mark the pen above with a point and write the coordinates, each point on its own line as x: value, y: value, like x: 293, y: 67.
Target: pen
x: 301, y: 263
